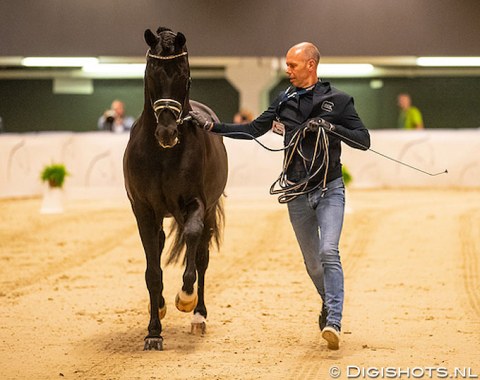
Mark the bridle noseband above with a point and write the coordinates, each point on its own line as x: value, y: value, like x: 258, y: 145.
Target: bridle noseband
x: 172, y: 105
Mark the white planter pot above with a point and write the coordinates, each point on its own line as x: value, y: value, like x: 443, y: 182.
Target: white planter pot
x: 348, y: 207
x: 53, y: 199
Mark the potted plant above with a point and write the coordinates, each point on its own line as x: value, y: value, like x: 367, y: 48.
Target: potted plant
x: 347, y: 179
x: 54, y: 176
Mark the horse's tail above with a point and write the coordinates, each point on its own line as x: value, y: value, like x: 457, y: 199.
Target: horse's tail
x: 177, y: 249
x: 217, y: 229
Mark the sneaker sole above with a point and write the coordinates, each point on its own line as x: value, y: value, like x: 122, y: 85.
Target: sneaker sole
x: 332, y: 337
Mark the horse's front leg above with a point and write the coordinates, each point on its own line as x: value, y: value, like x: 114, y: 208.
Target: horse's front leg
x: 153, y: 240
x: 187, y: 298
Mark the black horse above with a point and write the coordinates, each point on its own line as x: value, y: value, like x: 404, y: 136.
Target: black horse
x: 173, y: 169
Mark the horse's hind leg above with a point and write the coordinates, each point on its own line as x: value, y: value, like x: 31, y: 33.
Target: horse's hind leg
x: 200, y: 313
x: 202, y: 260
x: 187, y: 298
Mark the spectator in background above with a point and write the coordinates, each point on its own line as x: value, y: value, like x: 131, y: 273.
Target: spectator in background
x: 1, y: 125
x: 114, y: 119
x: 243, y: 116
x: 410, y: 116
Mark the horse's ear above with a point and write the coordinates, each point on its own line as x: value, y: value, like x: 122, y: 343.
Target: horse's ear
x: 150, y: 38
x: 180, y: 40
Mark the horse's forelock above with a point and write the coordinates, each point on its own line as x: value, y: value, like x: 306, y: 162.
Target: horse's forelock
x: 167, y: 39
x: 163, y: 29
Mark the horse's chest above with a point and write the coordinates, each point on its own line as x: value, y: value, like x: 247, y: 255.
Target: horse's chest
x: 161, y: 177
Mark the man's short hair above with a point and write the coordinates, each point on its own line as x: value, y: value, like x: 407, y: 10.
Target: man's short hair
x: 311, y: 52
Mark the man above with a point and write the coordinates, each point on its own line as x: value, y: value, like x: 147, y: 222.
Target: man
x: 317, y: 213
x: 115, y: 120
x: 410, y: 117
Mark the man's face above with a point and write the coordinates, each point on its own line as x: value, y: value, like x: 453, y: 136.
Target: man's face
x: 118, y: 108
x: 404, y: 102
x: 298, y: 68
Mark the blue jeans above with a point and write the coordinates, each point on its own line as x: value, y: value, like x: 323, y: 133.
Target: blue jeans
x: 317, y: 222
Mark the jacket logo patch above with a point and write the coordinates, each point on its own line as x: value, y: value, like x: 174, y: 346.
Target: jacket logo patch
x: 327, y: 106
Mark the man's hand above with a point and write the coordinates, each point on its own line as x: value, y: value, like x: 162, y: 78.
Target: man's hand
x: 315, y: 123
x: 200, y: 121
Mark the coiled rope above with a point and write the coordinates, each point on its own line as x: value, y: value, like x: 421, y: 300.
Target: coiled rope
x: 288, y: 190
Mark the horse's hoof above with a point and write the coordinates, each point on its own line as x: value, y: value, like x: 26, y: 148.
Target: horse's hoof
x: 153, y: 344
x: 199, y: 324
x: 161, y: 312
x: 186, y: 302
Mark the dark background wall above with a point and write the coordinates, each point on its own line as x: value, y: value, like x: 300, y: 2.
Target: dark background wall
x: 241, y: 28
x: 444, y: 102
x: 31, y: 105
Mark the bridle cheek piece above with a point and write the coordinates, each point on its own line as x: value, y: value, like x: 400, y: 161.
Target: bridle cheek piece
x: 172, y: 105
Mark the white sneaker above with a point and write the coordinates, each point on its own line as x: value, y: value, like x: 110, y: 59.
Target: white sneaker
x: 332, y: 335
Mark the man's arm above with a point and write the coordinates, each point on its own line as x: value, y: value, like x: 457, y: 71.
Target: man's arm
x: 347, y: 127
x: 351, y: 129
x: 258, y: 127
x: 417, y: 118
x: 101, y: 123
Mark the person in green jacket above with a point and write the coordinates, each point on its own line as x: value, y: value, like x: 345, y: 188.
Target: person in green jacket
x: 410, y: 116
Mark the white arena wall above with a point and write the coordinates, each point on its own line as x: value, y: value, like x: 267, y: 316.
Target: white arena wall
x: 94, y: 160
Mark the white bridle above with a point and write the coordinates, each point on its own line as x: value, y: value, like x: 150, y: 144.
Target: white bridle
x: 172, y: 105
x: 166, y: 57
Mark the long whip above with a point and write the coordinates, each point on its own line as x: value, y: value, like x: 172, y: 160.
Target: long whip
x: 345, y: 138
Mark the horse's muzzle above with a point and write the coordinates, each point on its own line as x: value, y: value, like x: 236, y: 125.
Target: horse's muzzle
x: 167, y: 137
x: 168, y: 145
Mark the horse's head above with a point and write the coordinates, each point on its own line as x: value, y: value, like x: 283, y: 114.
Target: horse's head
x: 167, y: 82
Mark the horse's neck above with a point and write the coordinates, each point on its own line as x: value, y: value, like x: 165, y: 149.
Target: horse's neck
x: 186, y: 105
x: 148, y: 114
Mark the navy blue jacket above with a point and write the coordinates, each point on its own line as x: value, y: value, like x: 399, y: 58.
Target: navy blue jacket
x: 328, y: 103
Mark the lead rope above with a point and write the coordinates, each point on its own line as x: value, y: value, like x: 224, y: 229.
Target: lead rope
x: 290, y: 190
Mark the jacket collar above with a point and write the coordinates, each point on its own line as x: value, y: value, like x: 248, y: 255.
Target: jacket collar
x: 321, y: 90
